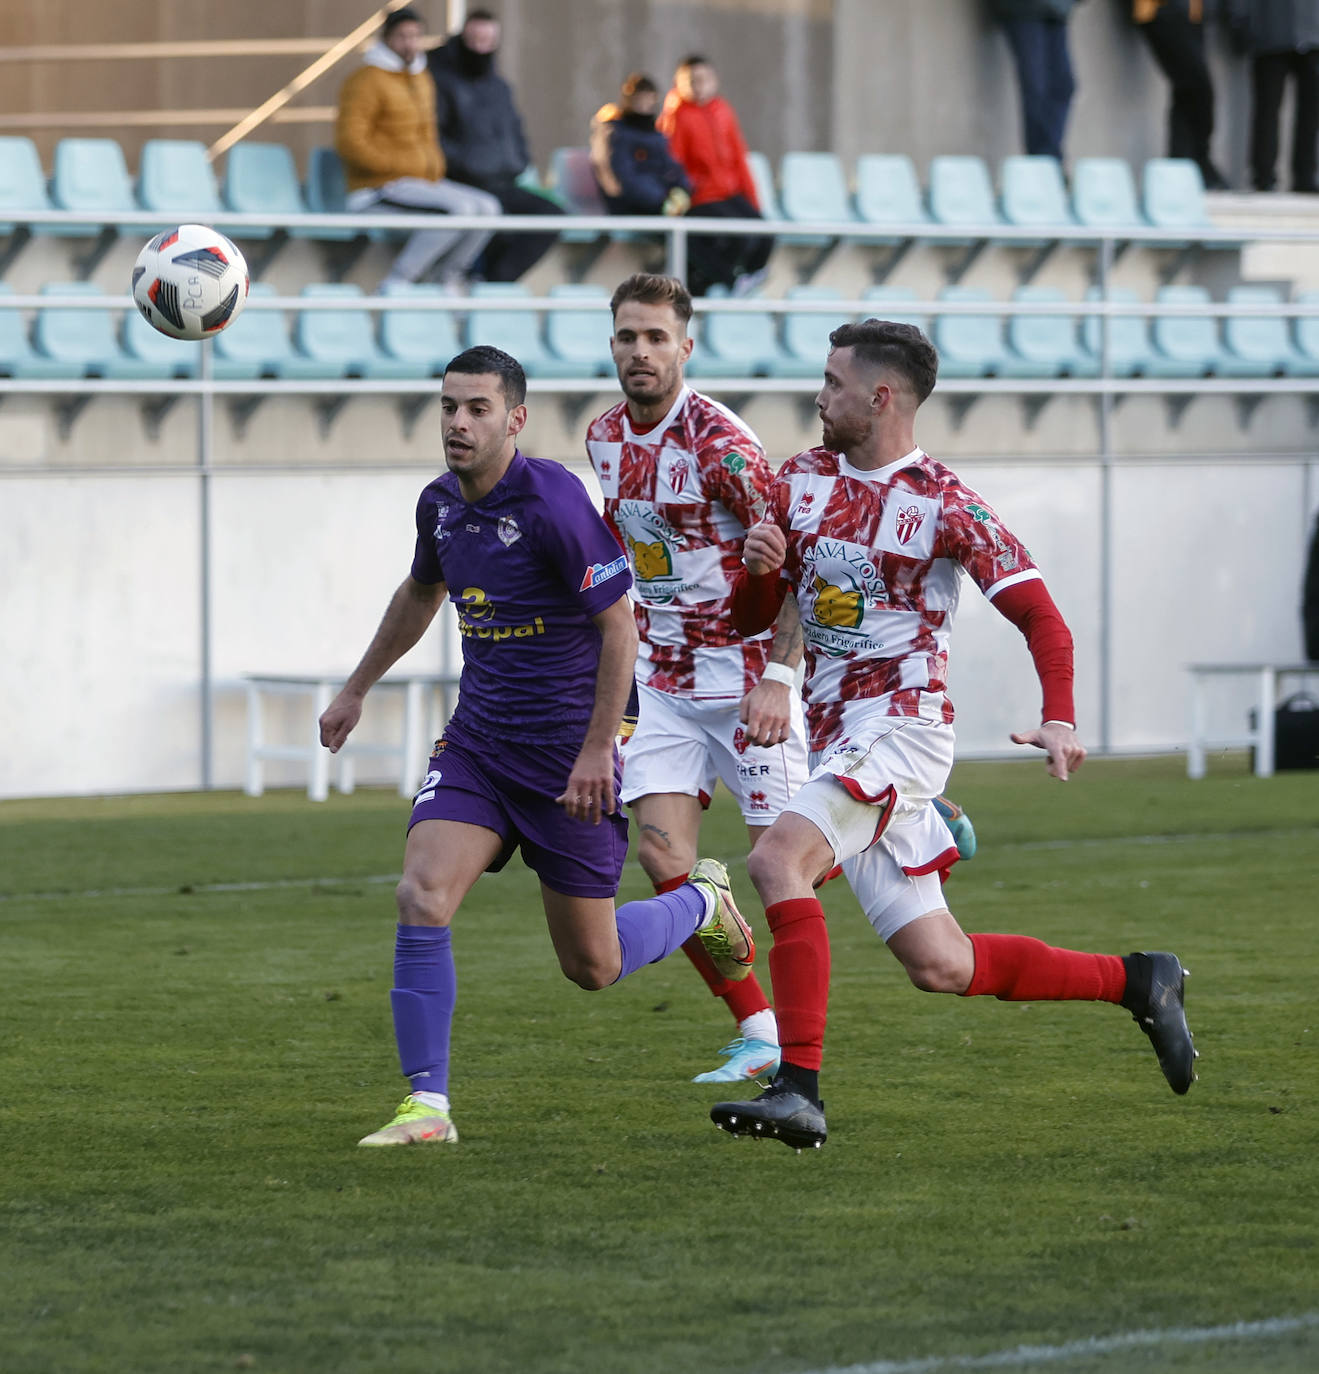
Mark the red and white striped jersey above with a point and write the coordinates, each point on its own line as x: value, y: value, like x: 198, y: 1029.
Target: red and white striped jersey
x: 680, y: 498
x: 875, y: 559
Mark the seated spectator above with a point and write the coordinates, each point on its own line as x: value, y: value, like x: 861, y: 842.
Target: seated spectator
x: 483, y: 141
x: 705, y: 136
x: 385, y: 136
x: 1036, y: 31
x: 633, y: 167
x: 1282, y: 37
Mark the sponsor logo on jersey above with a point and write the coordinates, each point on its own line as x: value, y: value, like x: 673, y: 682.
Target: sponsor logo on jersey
x: 838, y: 582
x: 508, y: 531
x: 910, y: 519
x: 602, y: 572
x: 758, y: 800
x: 475, y: 608
x: 651, y: 559
x: 734, y: 462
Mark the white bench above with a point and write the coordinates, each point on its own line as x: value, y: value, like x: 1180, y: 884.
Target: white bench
x: 320, y: 690
x: 1268, y: 676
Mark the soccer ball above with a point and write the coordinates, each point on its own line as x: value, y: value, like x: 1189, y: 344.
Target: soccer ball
x: 190, y: 282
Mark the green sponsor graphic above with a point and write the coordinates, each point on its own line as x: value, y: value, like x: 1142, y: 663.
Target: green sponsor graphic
x: 735, y: 463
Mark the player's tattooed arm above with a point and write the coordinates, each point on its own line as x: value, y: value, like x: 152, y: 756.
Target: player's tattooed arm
x: 766, y: 709
x: 787, y: 646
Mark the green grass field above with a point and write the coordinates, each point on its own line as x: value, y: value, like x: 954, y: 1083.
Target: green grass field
x: 196, y: 1031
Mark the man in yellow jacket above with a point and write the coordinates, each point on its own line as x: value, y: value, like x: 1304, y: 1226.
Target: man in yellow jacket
x: 385, y: 135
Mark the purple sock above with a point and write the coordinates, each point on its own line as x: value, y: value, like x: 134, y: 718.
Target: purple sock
x: 651, y: 929
x: 423, y: 997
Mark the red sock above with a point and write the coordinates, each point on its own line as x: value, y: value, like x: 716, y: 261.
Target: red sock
x: 799, y: 970
x: 1017, y: 968
x: 743, y: 998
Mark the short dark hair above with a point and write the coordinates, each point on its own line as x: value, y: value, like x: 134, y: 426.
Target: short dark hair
x: 651, y: 288
x: 407, y: 15
x: 638, y: 83
x: 484, y: 358
x: 486, y: 16
x: 888, y: 344
x: 694, y: 59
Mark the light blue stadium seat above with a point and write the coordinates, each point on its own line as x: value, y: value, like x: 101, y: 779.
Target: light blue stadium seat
x: 961, y: 195
x: 572, y: 184
x: 170, y: 357
x: 428, y: 337
x: 1173, y: 197
x: 175, y: 180
x: 326, y: 193
x: 22, y: 182
x: 812, y: 186
x: 1305, y: 333
x: 762, y: 174
x: 529, y: 179
x: 1104, y: 194
x: 1128, y: 337
x: 742, y: 344
x: 581, y: 337
x: 515, y: 331
x: 262, y: 179
x: 345, y: 339
x: 1258, y: 346
x: 969, y: 345
x: 1045, y: 344
x: 1185, y: 343
x: 17, y: 358
x: 891, y: 303
x: 888, y: 190
x: 806, y: 337
x: 86, y: 338
x: 257, y: 344
x: 1032, y: 193
x: 90, y: 175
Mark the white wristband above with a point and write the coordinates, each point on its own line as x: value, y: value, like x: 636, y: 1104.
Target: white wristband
x: 779, y: 672
x: 1067, y: 723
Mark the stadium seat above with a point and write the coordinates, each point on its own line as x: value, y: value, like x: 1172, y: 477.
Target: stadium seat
x: 515, y: 331
x: 427, y: 337
x: 170, y: 357
x: 1032, y: 193
x: 572, y: 184
x: 1128, y: 336
x: 1173, y: 198
x: 969, y: 345
x: 806, y: 337
x: 257, y: 344
x: 22, y: 182
x: 1104, y: 194
x: 812, y: 187
x: 888, y: 191
x: 90, y: 175
x: 961, y: 195
x: 581, y: 336
x: 736, y: 344
x: 175, y: 180
x: 86, y: 338
x: 762, y: 174
x: 1305, y: 334
x: 262, y: 178
x: 16, y: 356
x: 343, y: 341
x: 1258, y: 346
x: 1184, y: 345
x: 326, y: 191
x: 1039, y: 342
x: 890, y: 302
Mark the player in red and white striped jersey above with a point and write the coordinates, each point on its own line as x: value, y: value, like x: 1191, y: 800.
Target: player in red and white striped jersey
x: 683, y: 480
x: 873, y: 536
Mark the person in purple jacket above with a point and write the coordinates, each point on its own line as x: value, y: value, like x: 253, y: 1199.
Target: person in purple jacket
x: 528, y: 760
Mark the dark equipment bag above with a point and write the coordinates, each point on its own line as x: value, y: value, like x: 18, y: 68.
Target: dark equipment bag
x: 1295, y: 733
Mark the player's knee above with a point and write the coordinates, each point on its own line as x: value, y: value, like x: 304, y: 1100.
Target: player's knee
x: 939, y: 971
x: 773, y: 866
x: 421, y: 905
x: 590, y: 974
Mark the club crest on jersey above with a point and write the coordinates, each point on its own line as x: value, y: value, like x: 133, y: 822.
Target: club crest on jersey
x: 441, y: 534
x: 440, y: 746
x: 679, y: 471
x: 507, y: 530
x: 602, y: 572
x: 910, y: 519
x: 740, y: 740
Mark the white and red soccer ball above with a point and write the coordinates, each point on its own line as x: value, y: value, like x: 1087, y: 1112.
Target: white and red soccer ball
x: 190, y: 282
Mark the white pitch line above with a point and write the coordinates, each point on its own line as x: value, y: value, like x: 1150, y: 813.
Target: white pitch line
x: 1095, y: 1345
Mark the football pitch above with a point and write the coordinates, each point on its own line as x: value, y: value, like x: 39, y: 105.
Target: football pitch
x: 196, y: 1032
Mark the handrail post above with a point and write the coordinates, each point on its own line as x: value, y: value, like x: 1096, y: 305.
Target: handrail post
x: 1106, y: 561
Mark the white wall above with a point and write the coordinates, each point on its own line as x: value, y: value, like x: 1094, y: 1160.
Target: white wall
x: 100, y: 622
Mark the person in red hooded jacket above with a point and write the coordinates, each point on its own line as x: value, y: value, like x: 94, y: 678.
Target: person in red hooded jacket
x: 706, y: 138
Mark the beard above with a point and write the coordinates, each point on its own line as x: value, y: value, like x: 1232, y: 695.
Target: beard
x: 647, y: 390
x: 841, y: 436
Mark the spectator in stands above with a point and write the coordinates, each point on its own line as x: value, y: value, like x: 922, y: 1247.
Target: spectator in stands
x: 385, y: 135
x: 1310, y: 598
x: 1036, y: 31
x: 1282, y: 37
x: 705, y: 136
x: 633, y: 167
x: 483, y: 141
x: 1174, y: 31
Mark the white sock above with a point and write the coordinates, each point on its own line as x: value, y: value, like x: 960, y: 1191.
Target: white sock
x: 760, y: 1025
x: 711, y: 904
x: 440, y: 1101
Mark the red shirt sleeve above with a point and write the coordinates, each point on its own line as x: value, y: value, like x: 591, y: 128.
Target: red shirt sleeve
x: 756, y: 600
x: 1030, y: 608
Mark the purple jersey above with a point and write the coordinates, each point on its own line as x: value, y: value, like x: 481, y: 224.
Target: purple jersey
x: 527, y: 566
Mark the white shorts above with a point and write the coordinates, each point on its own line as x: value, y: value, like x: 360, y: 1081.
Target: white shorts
x: 871, y: 797
x: 686, y: 744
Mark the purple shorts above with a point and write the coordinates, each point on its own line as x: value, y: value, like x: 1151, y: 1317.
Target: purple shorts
x: 511, y: 789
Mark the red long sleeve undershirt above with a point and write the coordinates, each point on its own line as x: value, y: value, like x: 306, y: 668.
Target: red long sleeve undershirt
x: 757, y: 597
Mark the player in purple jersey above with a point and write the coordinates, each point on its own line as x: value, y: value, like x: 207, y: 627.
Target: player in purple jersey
x: 528, y: 760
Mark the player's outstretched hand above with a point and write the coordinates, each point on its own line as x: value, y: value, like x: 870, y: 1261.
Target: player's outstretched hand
x: 340, y: 716
x: 765, y: 549
x: 766, y: 711
x: 1065, y: 750
x: 590, y: 790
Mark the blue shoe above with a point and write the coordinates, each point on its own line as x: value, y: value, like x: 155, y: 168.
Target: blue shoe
x: 964, y: 835
x: 746, y: 1059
